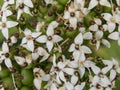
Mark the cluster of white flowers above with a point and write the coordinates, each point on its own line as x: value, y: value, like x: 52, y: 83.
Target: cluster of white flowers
x: 63, y: 43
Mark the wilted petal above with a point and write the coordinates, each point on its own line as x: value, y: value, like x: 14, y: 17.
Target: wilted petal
x: 11, y: 24
x: 92, y: 4
x: 79, y: 39
x: 114, y: 36
x: 42, y: 39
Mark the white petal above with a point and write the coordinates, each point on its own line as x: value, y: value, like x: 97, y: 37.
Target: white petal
x: 27, y: 32
x: 69, y: 86
x: 30, y: 45
x: 95, y: 69
x: 37, y: 83
x: 95, y: 80
x: 5, y: 47
x: 105, y: 3
x: 106, y: 43
x: 86, y: 49
x: 99, y: 35
x: 28, y: 3
x: 73, y: 64
x: 50, y: 31
x: 93, y: 27
x: 53, y: 87
x: 73, y: 22
x: 72, y: 47
x: 57, y: 38
x: 82, y: 56
x: 49, y: 45
x: 107, y: 16
x: 35, y: 34
x: 35, y: 56
x: 98, y: 21
x: 114, y: 36
x: 19, y: 60
x: 24, y: 41
x: 11, y: 24
x: 76, y: 55
x: 82, y: 71
x: 69, y: 71
x: 112, y: 75
x: 66, y: 15
x: 80, y: 87
x: 118, y: 2
x: 74, y: 79
x: 27, y: 10
x: 92, y: 4
x: 42, y: 39
x: 87, y: 35
x: 62, y: 77
x: 111, y: 27
x: 5, y: 33
x: 97, y: 45
x: 54, y: 24
x: 8, y: 63
x: 46, y: 77
x: 79, y: 39
x: 19, y: 13
x: 105, y: 81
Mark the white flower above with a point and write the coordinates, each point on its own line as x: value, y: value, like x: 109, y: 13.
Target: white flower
x: 5, y: 25
x: 7, y: 2
x: 94, y: 3
x: 72, y: 14
x: 98, y: 29
x: 50, y: 39
x: 23, y: 61
x: 49, y: 1
x: 40, y: 52
x: 5, y: 55
x: 79, y: 50
x: 111, y: 20
x: 115, y: 36
x: 71, y: 86
x: 23, y: 6
x: 28, y: 40
x: 60, y: 68
x: 114, y: 66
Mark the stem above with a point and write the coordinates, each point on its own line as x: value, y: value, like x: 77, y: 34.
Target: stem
x: 13, y: 79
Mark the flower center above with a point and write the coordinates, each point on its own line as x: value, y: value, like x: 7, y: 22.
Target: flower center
x: 56, y: 68
x: 101, y: 75
x: 81, y: 64
x: 21, y: 6
x: 98, y: 86
x: 77, y: 46
x: 112, y: 19
x: 72, y: 14
x: 49, y: 38
x: 7, y: 55
x: 3, y: 25
x: 28, y: 37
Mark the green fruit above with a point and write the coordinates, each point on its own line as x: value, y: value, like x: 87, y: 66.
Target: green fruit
x: 26, y: 88
x: 43, y: 10
x: 60, y: 8
x: 4, y: 72
x: 48, y: 19
x: 8, y: 82
x: 27, y: 77
x: 63, y: 2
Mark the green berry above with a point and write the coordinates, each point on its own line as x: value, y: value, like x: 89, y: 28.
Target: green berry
x: 27, y: 77
x: 63, y: 2
x: 26, y: 88
x: 4, y: 72
x: 7, y: 82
